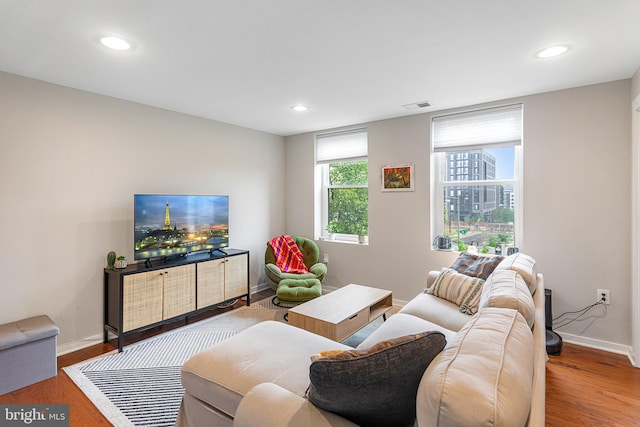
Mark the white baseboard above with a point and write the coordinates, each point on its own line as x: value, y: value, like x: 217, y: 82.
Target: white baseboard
x: 611, y: 347
x: 327, y: 288
x: 259, y: 287
x: 70, y: 347
x: 399, y: 302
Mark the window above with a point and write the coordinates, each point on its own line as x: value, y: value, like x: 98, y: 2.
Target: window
x: 479, y: 205
x: 342, y: 174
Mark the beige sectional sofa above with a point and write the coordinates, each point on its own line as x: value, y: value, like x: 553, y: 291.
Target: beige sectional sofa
x: 491, y: 371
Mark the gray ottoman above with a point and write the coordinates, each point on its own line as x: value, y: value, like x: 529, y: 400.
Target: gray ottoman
x: 27, y: 352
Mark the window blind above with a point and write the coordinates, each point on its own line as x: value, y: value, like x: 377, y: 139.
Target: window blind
x: 341, y: 146
x: 491, y: 127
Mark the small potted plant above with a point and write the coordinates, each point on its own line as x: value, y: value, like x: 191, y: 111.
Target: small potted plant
x: 111, y: 260
x: 362, y: 231
x: 331, y: 230
x: 121, y: 262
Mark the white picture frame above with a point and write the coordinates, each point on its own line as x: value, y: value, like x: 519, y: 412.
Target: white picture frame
x: 397, y: 177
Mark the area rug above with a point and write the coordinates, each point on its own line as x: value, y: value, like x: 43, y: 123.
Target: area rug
x: 141, y: 386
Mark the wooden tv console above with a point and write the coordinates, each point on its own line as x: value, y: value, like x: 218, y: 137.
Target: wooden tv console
x: 142, y: 296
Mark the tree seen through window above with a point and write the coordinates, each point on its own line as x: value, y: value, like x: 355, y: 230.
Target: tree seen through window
x: 348, y: 198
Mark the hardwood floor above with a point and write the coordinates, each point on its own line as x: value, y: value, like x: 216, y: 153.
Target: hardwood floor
x: 61, y: 389
x: 590, y: 387
x: 585, y: 387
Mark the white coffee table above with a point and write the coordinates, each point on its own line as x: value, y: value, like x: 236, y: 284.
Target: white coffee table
x: 343, y: 312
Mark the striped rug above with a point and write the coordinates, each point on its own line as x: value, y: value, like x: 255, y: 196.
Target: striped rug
x: 141, y: 386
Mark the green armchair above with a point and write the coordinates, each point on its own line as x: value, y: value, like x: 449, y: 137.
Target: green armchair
x: 311, y: 256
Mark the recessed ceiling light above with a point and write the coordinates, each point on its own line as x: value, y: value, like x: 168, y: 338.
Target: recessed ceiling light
x: 299, y: 108
x: 115, y: 43
x: 552, y: 51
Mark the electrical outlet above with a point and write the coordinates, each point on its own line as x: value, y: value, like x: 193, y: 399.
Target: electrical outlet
x: 604, y: 293
x: 325, y: 258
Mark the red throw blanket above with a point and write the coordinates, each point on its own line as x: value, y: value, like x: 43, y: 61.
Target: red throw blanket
x: 288, y: 255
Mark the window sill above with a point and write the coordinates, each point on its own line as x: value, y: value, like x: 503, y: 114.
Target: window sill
x: 472, y: 252
x: 348, y: 239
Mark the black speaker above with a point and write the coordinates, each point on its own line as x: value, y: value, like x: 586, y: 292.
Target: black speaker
x: 547, y: 309
x: 554, y: 341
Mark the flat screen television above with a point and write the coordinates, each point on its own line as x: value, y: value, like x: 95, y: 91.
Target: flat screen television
x: 170, y: 225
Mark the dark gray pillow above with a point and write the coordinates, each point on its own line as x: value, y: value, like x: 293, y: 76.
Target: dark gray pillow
x: 377, y: 386
x: 476, y: 265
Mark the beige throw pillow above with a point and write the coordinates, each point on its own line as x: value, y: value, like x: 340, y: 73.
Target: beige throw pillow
x: 459, y: 289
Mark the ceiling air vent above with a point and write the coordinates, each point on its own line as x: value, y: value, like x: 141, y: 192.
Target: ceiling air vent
x: 417, y: 105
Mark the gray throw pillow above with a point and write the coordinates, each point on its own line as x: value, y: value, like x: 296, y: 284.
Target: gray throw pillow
x: 476, y: 265
x: 376, y: 386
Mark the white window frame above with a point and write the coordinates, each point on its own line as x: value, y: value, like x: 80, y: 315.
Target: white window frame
x: 323, y: 186
x: 439, y: 182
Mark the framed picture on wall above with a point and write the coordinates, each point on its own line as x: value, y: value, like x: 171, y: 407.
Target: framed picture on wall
x: 397, y: 178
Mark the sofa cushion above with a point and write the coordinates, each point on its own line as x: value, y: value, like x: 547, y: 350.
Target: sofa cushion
x: 460, y: 289
x: 524, y: 265
x: 476, y: 265
x: 507, y: 289
x: 436, y: 310
x: 402, y: 324
x: 484, y: 377
x: 377, y: 386
x: 269, y: 351
x: 269, y: 405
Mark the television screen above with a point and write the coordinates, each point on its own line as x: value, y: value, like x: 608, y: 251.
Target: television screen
x: 167, y: 225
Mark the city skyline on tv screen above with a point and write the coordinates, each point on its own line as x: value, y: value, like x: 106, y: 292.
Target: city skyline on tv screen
x: 166, y: 225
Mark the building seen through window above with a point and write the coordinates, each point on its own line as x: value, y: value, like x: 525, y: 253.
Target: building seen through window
x: 476, y: 168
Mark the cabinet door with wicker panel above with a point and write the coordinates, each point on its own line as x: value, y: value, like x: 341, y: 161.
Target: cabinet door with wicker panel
x: 179, y: 296
x: 210, y: 282
x: 141, y: 299
x: 236, y: 276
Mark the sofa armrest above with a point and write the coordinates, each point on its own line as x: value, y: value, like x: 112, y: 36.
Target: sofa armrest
x: 537, y: 413
x: 431, y: 277
x: 319, y: 269
x: 269, y: 405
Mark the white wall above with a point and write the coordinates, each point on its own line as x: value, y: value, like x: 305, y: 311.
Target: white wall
x: 581, y: 234
x: 577, y: 172
x: 635, y: 84
x: 70, y: 164
x: 635, y: 212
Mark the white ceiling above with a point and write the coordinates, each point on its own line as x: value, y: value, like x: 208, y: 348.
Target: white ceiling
x: 246, y: 62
